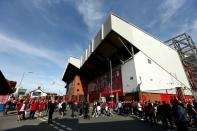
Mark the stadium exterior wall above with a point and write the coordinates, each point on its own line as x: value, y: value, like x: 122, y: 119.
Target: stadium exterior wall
x: 155, y: 50
x: 155, y: 67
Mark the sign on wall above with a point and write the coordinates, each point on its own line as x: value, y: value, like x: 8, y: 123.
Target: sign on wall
x: 103, y: 86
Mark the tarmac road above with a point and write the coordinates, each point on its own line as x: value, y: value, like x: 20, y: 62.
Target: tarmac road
x: 67, y: 123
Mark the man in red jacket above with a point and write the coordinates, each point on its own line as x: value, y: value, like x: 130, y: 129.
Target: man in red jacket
x: 21, y: 110
x: 33, y: 109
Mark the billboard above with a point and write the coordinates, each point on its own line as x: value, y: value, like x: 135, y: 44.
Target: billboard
x: 102, y: 84
x: 4, y: 98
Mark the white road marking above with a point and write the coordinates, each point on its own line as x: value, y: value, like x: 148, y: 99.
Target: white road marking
x: 56, y: 127
x: 68, y: 128
x: 54, y: 122
x: 63, y: 126
x: 58, y: 123
x: 43, y: 119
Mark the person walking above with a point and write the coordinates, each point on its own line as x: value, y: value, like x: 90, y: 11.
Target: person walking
x: 94, y: 111
x: 63, y: 108
x: 182, y: 118
x: 60, y: 108
x: 21, y: 110
x: 41, y: 108
x: 151, y: 113
x: 111, y: 108
x: 166, y: 113
x: 119, y: 107
x: 86, y: 110
x: 51, y: 109
x: 33, y: 109
x: 6, y: 107
x: 139, y: 107
x: 73, y: 108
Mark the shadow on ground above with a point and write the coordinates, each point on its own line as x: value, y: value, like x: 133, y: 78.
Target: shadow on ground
x: 74, y: 125
x: 10, y: 114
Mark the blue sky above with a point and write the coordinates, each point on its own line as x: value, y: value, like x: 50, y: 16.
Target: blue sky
x: 39, y: 35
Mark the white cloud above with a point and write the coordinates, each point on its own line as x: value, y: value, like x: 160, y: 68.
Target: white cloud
x: 49, y: 20
x: 42, y: 3
x: 37, y: 78
x: 152, y: 23
x: 194, y: 25
x: 91, y: 12
x: 10, y: 45
x: 43, y: 7
x: 169, y: 8
x: 193, y: 31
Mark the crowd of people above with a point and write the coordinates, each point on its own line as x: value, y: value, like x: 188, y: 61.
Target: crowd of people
x: 167, y: 113
x: 170, y: 113
x: 41, y: 106
x: 27, y: 108
x: 174, y: 112
x: 103, y: 108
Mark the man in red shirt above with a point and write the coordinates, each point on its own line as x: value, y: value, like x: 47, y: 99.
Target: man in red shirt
x: 33, y: 109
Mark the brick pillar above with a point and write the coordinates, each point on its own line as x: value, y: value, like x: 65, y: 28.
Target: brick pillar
x: 117, y: 97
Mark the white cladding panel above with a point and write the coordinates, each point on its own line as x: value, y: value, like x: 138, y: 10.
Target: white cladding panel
x: 129, y: 80
x: 92, y: 45
x: 83, y: 59
x: 86, y: 54
x: 74, y: 61
x: 97, y: 40
x: 152, y: 76
x: 90, y: 49
x: 158, y: 52
x: 106, y: 27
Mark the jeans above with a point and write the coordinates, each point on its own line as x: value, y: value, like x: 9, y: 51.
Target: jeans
x: 50, y: 117
x: 5, y: 112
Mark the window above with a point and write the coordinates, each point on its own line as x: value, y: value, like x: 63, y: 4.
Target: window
x: 149, y: 61
x: 36, y: 93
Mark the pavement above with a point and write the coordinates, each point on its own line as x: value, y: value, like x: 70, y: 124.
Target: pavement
x: 67, y: 123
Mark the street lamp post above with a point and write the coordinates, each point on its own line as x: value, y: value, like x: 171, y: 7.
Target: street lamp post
x: 23, y: 78
x: 19, y: 86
